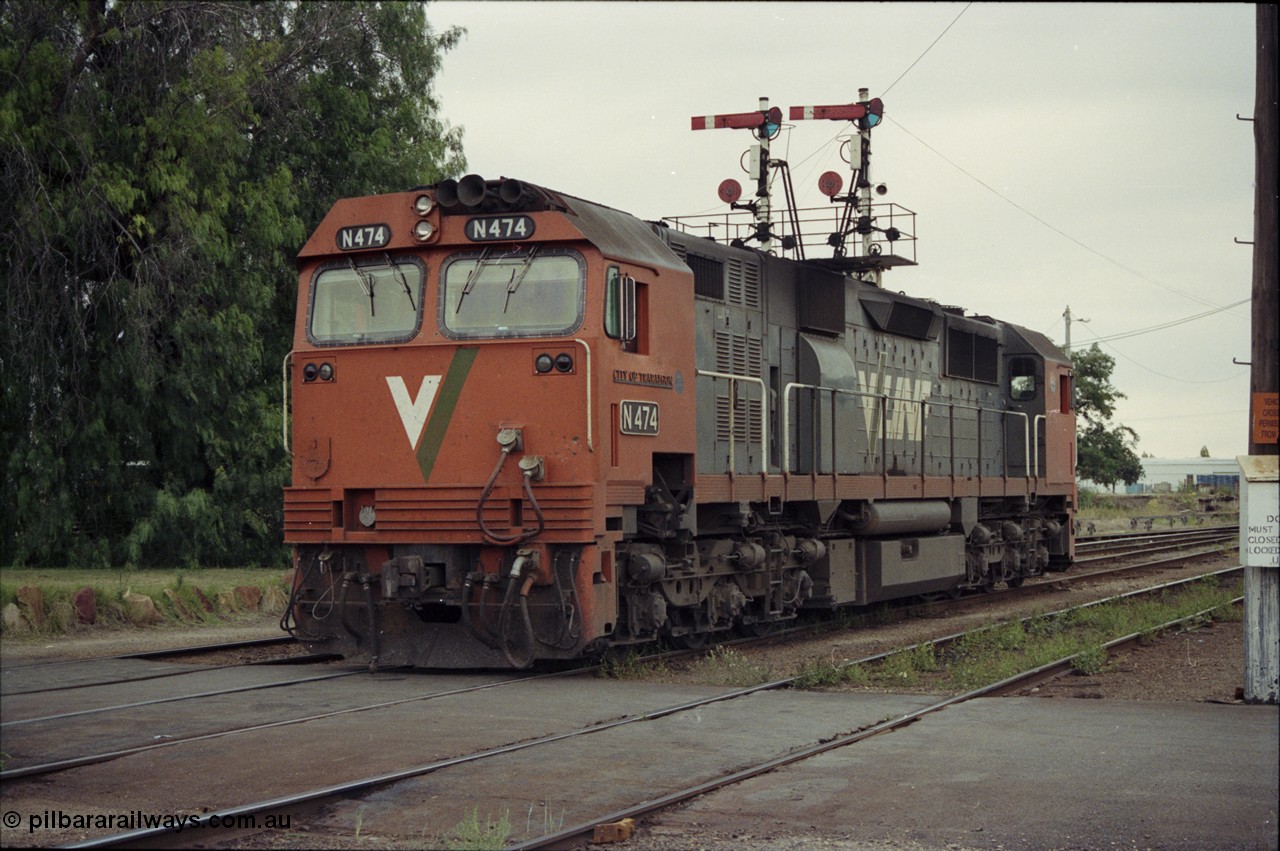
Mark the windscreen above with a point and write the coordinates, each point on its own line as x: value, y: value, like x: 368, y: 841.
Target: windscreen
x: 367, y: 303
x: 526, y: 293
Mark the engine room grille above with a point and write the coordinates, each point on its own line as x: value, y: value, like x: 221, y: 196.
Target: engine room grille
x: 744, y: 284
x: 739, y: 355
x: 738, y: 412
x: 708, y: 276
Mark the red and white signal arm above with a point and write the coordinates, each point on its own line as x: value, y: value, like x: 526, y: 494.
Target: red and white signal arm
x: 737, y: 120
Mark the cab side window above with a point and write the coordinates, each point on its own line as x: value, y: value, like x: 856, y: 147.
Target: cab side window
x: 1022, y: 379
x: 620, y: 308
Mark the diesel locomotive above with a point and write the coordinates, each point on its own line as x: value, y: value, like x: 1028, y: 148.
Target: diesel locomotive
x: 525, y: 426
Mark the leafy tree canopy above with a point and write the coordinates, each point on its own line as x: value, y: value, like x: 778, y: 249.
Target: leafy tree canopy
x: 1104, y: 453
x: 162, y: 162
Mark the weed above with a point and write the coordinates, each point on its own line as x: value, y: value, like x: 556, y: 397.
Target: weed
x: 629, y: 666
x: 468, y: 835
x: 551, y: 823
x: 817, y: 673
x: 728, y: 667
x: 1090, y: 661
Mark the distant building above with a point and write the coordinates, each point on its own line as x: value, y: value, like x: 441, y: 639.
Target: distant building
x: 1164, y: 475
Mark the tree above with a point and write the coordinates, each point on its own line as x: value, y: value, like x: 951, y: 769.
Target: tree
x: 162, y: 163
x: 1204, y: 451
x: 1104, y: 453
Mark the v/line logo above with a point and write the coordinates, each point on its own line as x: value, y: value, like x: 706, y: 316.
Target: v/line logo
x: 426, y: 413
x: 414, y: 409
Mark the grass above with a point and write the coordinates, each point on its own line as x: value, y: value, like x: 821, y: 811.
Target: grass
x: 725, y: 666
x: 630, y: 666
x: 469, y: 835
x: 173, y: 591
x: 1004, y: 650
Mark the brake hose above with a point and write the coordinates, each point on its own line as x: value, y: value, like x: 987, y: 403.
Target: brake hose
x: 529, y: 473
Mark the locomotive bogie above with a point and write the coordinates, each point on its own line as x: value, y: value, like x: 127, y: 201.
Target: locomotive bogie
x: 529, y: 427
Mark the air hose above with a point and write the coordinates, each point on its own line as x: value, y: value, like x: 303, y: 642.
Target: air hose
x: 517, y: 594
x: 529, y: 472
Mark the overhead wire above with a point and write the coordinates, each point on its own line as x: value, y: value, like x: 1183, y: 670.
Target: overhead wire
x: 844, y: 130
x: 1055, y: 229
x: 1124, y: 335
x: 1106, y: 342
x: 927, y: 49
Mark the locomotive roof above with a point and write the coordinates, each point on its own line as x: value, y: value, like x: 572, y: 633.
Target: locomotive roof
x: 622, y: 235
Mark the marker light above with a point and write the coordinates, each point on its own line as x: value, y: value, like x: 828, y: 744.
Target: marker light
x: 564, y: 362
x: 309, y: 372
x: 729, y: 190
x: 830, y: 183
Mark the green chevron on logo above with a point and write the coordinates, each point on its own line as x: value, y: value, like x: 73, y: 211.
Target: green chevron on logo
x: 442, y: 411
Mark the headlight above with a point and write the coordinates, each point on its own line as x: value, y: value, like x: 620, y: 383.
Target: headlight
x: 423, y: 230
x: 542, y: 363
x: 326, y: 372
x: 423, y: 204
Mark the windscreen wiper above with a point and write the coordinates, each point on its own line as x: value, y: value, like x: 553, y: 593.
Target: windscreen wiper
x: 403, y: 280
x: 472, y: 278
x: 517, y: 277
x: 366, y: 283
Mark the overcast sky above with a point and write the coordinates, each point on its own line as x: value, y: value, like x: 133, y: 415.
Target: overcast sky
x: 1055, y: 154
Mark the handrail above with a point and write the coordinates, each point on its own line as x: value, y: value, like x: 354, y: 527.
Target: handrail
x: 284, y: 402
x: 590, y: 444
x: 1035, y: 438
x: 764, y: 415
x: 1026, y: 450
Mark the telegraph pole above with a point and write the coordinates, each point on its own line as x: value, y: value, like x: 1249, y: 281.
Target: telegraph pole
x: 1260, y: 476
x: 1068, y: 317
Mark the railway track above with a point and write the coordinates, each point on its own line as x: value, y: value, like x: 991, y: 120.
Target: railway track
x: 934, y: 609
x: 442, y: 773
x: 591, y: 829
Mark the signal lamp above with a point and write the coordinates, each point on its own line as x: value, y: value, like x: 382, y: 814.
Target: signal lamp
x: 564, y: 362
x: 875, y: 109
x: 423, y: 204
x: 542, y: 363
x: 772, y: 122
x: 309, y: 372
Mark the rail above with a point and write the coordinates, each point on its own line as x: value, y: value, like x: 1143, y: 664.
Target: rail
x: 890, y: 226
